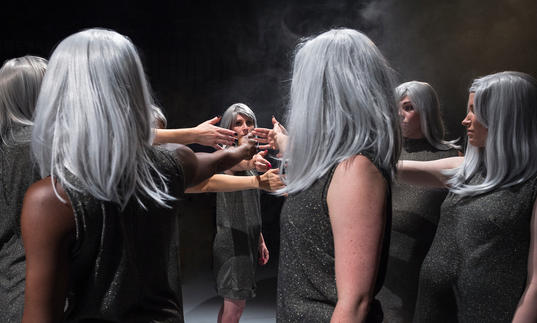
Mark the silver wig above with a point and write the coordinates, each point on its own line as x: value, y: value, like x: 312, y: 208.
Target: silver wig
x: 93, y: 120
x: 342, y: 103
x: 231, y: 114
x: 506, y: 104
x: 425, y: 102
x: 20, y: 81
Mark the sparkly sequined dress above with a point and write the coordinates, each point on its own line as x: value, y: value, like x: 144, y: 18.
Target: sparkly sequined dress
x: 235, y: 248
x: 121, y: 258
x: 306, y: 274
x: 475, y: 270
x: 415, y: 215
x: 17, y: 173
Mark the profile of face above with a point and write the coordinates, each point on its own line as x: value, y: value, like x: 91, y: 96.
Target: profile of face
x: 410, y: 119
x: 242, y: 125
x: 477, y: 132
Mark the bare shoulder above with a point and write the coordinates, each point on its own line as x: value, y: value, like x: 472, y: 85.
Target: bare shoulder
x: 42, y: 209
x: 359, y: 168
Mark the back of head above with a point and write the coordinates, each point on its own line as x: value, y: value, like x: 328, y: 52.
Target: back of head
x: 20, y: 81
x: 342, y: 103
x: 425, y: 101
x: 229, y: 116
x: 506, y: 104
x: 93, y: 119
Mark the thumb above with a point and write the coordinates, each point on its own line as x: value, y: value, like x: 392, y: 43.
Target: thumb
x: 274, y: 121
x: 263, y: 153
x: 214, y: 120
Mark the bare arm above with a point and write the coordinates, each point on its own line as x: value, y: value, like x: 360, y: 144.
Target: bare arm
x: 357, y: 215
x: 206, y: 133
x: 426, y: 173
x: 200, y: 166
x: 263, y: 251
x: 48, y: 231
x: 526, y: 311
x: 269, y: 181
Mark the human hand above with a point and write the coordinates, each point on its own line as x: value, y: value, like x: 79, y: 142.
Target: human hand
x: 247, y: 148
x: 263, y: 254
x: 262, y: 137
x: 259, y: 162
x: 208, y: 134
x: 270, y: 181
x: 277, y: 137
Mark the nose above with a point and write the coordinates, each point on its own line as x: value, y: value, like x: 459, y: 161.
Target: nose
x: 466, y: 121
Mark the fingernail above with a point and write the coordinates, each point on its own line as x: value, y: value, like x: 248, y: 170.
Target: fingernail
x: 219, y: 116
x: 269, y: 165
x: 236, y: 134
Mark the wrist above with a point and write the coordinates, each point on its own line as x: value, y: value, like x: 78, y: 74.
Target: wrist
x: 256, y: 181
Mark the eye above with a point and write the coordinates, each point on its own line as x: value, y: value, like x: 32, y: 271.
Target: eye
x: 408, y: 107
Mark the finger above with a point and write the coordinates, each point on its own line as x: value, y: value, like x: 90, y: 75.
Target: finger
x: 218, y: 147
x: 262, y: 140
x: 274, y: 121
x: 214, y: 120
x: 263, y: 153
x: 226, y: 132
x: 263, y: 147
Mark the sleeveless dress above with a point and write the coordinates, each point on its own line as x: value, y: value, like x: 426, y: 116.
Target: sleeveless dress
x: 17, y: 173
x: 415, y: 216
x: 235, y: 248
x: 121, y: 258
x: 476, y: 268
x: 306, y: 274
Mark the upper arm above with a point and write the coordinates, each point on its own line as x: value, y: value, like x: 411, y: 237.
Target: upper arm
x: 47, y: 231
x: 427, y: 173
x: 526, y: 310
x: 357, y: 215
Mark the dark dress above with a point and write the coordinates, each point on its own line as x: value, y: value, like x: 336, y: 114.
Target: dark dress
x: 306, y: 274
x: 235, y: 248
x: 17, y: 173
x: 415, y: 215
x: 476, y: 268
x: 121, y: 258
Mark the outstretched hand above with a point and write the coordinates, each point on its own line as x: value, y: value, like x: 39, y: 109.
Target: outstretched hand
x: 271, y: 181
x: 208, y: 134
x: 259, y: 162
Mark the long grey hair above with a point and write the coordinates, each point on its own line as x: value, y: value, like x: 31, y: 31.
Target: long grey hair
x: 342, y: 103
x: 94, y: 117
x: 425, y: 102
x: 20, y: 81
x: 231, y: 114
x: 506, y: 104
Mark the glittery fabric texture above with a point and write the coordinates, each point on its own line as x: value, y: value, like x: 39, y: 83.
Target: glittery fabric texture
x: 415, y: 216
x: 17, y: 173
x: 235, y: 247
x: 306, y: 274
x: 121, y: 258
x: 475, y: 270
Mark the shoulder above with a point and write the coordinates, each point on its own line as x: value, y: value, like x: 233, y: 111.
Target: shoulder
x: 359, y: 166
x: 42, y: 209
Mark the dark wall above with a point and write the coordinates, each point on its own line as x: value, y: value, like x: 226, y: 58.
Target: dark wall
x: 201, y: 56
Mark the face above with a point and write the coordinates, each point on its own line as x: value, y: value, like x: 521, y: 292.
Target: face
x: 410, y: 119
x: 477, y: 132
x: 242, y: 125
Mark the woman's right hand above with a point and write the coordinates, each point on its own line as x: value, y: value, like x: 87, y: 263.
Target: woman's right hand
x: 271, y: 181
x: 247, y: 147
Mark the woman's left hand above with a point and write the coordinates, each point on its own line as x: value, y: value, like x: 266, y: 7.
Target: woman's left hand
x: 263, y: 254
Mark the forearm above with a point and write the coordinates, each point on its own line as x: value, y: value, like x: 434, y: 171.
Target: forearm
x: 225, y: 183
x: 350, y: 311
x: 243, y: 165
x: 183, y: 136
x: 526, y: 310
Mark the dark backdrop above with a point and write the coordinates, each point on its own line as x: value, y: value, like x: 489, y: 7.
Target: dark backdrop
x: 201, y: 56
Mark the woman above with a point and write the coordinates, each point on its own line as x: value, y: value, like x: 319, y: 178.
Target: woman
x: 343, y: 144
x: 238, y: 244
x: 481, y: 266
x: 20, y: 80
x: 415, y: 210
x: 97, y: 231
